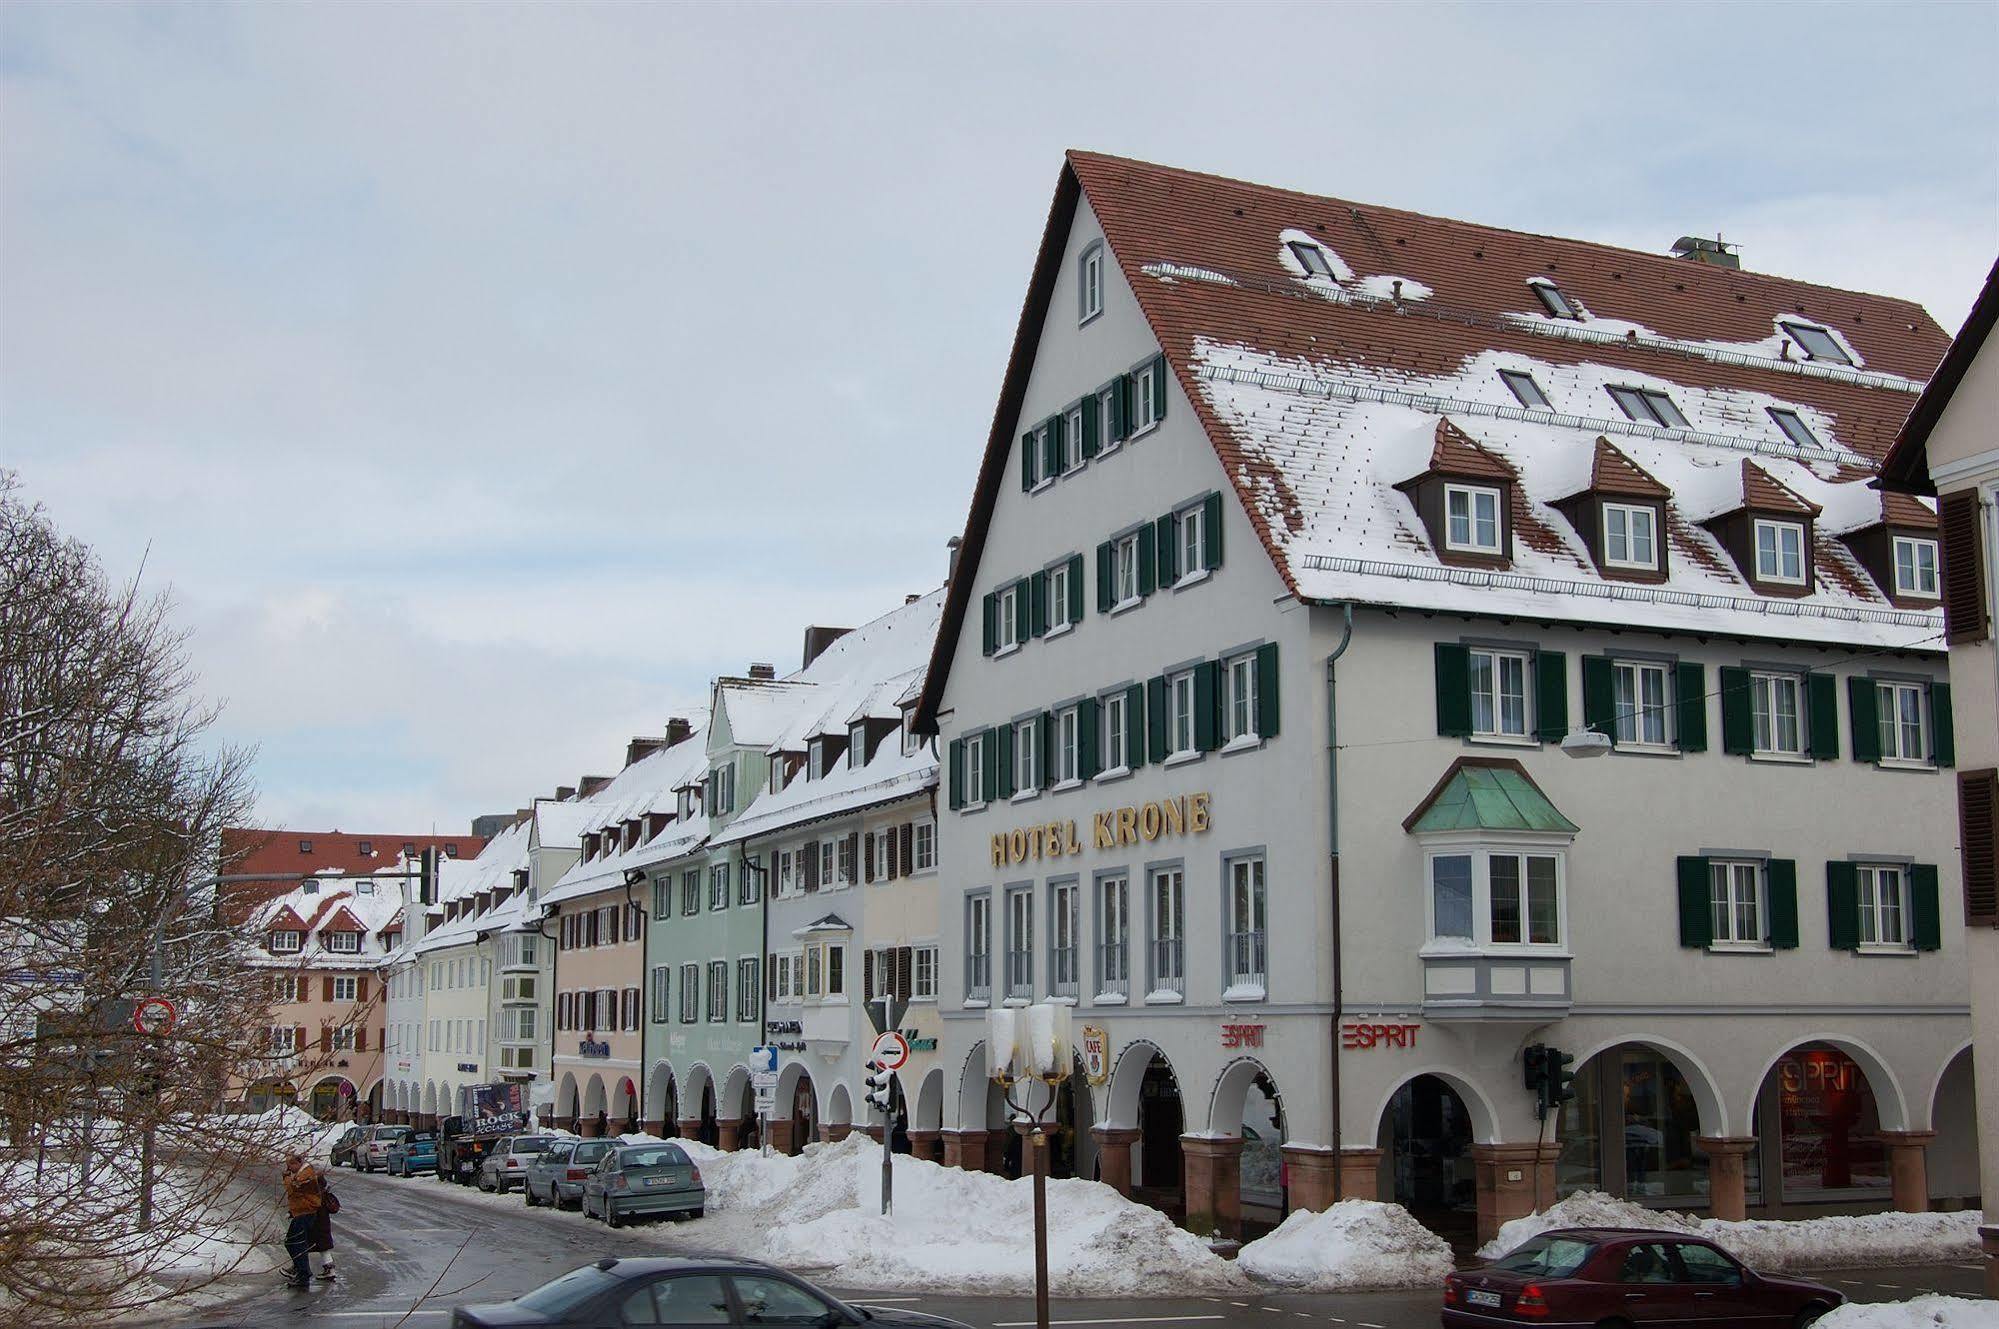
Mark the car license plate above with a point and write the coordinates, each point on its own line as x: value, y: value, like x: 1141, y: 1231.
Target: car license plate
x: 658, y: 1181
x: 1478, y: 1298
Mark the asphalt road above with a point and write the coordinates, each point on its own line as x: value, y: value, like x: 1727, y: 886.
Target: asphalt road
x: 409, y: 1250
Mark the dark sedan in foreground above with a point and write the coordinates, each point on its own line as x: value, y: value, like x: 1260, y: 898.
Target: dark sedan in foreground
x: 614, y: 1293
x: 1627, y: 1278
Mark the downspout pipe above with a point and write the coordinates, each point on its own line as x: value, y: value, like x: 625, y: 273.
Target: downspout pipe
x: 1333, y: 839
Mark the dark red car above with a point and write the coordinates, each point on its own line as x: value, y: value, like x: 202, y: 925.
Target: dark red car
x: 1627, y: 1278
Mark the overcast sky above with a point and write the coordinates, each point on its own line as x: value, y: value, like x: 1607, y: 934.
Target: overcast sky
x: 484, y: 380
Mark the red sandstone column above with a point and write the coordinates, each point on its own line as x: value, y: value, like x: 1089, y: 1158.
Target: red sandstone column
x: 1308, y: 1176
x: 1114, y: 1156
x: 1511, y: 1177
x: 654, y: 1128
x: 1727, y: 1186
x: 728, y: 1134
x: 965, y: 1149
x: 1360, y: 1174
x: 835, y: 1132
x: 690, y: 1128
x: 923, y: 1144
x: 1908, y: 1170
x: 779, y: 1134
x: 1213, y: 1171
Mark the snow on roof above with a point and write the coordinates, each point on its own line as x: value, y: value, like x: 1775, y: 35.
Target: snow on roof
x: 646, y: 785
x: 328, y: 908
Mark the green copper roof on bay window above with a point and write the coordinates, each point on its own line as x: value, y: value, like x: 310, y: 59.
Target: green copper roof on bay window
x: 1488, y: 797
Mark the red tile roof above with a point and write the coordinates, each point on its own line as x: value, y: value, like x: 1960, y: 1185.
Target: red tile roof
x: 1761, y: 491
x: 1611, y: 472
x: 258, y: 853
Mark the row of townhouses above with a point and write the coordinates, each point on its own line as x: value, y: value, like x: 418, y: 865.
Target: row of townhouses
x: 1378, y: 646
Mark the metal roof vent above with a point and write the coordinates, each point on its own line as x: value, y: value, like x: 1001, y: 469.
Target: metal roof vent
x: 1716, y: 252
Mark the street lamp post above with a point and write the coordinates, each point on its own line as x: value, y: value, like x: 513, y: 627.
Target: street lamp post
x: 1024, y: 1046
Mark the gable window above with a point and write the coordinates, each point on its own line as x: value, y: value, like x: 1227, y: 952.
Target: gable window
x: 1498, y: 693
x: 978, y: 946
x: 1736, y: 898
x: 1007, y: 609
x: 1193, y: 524
x: 1629, y: 536
x: 1020, y: 944
x: 1884, y: 906
x: 1117, y: 757
x: 1780, y: 551
x: 1090, y: 283
x: 1126, y: 570
x: 1817, y: 343
x: 1648, y: 407
x: 286, y: 941
x: 1775, y: 705
x: 1072, y: 441
x: 1525, y: 390
x: 1239, y: 705
x: 1903, y: 711
x: 1180, y: 713
x: 1026, y: 756
x: 1168, y: 899
x: 1639, y: 693
x: 1794, y: 427
x: 346, y: 943
x: 1147, y: 390
x: 1553, y: 300
x: 975, y: 769
x: 1311, y: 258
x: 1915, y: 567
x: 1067, y: 738
x: 1471, y: 519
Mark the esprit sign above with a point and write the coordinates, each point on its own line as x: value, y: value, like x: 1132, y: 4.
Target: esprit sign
x: 1360, y: 1037
x: 1187, y: 814
x: 1242, y: 1035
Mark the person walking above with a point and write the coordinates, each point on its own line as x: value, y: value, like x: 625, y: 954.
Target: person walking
x: 302, y: 1202
x: 322, y: 1229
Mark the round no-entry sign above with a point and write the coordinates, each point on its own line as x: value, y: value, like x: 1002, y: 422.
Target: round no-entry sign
x: 154, y: 1015
x: 891, y: 1050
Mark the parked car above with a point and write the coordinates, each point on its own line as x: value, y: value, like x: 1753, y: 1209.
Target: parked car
x: 1624, y: 1276
x: 345, y: 1144
x: 415, y: 1152
x: 373, y: 1155
x: 564, y: 1186
x: 644, y: 1181
x: 508, y: 1162
x: 665, y: 1291
x: 538, y: 1182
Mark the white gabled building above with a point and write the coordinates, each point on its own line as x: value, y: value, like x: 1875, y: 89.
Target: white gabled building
x: 1314, y: 547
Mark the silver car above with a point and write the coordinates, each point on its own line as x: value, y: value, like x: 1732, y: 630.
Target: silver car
x: 372, y: 1155
x: 507, y: 1161
x: 643, y: 1181
x: 556, y: 1175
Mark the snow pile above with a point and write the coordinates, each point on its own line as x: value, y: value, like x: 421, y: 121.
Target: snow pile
x: 1771, y: 1244
x: 1929, y: 1312
x: 1354, y: 1244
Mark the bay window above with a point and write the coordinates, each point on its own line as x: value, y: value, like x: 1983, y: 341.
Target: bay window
x: 1493, y: 895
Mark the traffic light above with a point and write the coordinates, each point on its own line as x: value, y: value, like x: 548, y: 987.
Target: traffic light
x: 1560, y: 1082
x: 1536, y: 1076
x: 880, y: 1083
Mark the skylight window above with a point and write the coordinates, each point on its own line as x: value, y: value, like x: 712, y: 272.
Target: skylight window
x: 1311, y: 258
x: 1525, y: 390
x: 1557, y: 304
x: 1817, y: 343
x: 1794, y: 428
x: 1648, y: 407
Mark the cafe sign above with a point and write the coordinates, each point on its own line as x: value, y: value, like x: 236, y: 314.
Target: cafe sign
x: 1094, y: 1043
x: 1113, y: 828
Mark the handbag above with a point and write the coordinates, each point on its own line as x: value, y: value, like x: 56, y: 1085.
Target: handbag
x: 330, y: 1203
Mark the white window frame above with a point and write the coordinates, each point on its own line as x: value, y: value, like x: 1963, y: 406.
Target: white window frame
x: 1165, y: 926
x: 1892, y: 724
x: 1113, y: 930
x: 1774, y: 572
x: 1018, y: 988
x: 1191, y: 535
x: 975, y: 769
x: 1919, y: 572
x: 1481, y: 849
x: 1633, y: 515
x: 1006, y: 607
x: 1027, y: 760
x: 1471, y: 544
x: 1628, y: 678
x: 286, y: 941
x: 1496, y: 660
x: 978, y: 945
x: 1240, y: 700
x: 1072, y: 440
x: 1246, y: 882
x: 1112, y: 711
x: 1877, y: 910
x: 1106, y: 420
x: 1182, y: 733
x: 1734, y: 883
x: 857, y: 746
x: 1065, y: 933
x: 1125, y: 571
x: 1058, y: 599
x: 345, y: 987
x: 1090, y: 275
x: 923, y: 846
x: 1143, y: 418
x: 1068, y: 746
x: 923, y: 973
x: 1765, y: 686
x: 342, y: 943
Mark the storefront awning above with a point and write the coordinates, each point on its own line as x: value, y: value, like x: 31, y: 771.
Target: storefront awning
x: 1487, y: 794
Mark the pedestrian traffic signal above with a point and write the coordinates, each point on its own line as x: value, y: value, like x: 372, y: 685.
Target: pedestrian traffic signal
x: 880, y: 1083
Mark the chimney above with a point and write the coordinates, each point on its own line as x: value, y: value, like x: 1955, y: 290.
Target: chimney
x: 951, y: 568
x: 640, y: 748
x: 911, y: 599
x: 817, y: 639
x: 1715, y: 252
x: 591, y: 784
x: 678, y: 730
x: 521, y: 815
x: 764, y: 671
x: 564, y: 792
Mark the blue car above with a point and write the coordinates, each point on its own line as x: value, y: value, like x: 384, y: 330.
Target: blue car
x: 416, y: 1152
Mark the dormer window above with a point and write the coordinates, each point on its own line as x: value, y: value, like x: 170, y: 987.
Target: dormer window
x: 305, y: 846
x: 1817, y: 343
x: 451, y: 851
x: 1915, y: 567
x: 1780, y: 551
x: 857, y: 746
x: 287, y: 942
x: 310, y: 886
x: 1525, y: 390
x: 367, y: 848
x: 343, y: 943
x: 1311, y: 258
x: 1471, y: 519
x: 365, y: 886
x: 1630, y: 536
x: 1648, y: 407
x: 409, y: 849
x: 1795, y: 428
x: 1553, y: 300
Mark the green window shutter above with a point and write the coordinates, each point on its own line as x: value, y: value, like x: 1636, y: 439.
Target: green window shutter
x: 1159, y: 388
x: 1120, y: 390
x: 992, y: 623
x: 1134, y: 726
x: 1842, y: 906
x: 1091, y: 414
x: 1690, y: 700
x: 1037, y: 601
x: 1696, y: 915
x: 1453, y: 690
x: 1166, y: 541
x: 1029, y: 455
x: 1211, y: 528
x: 1825, y: 715
x: 1051, y: 453
x: 1782, y: 880
x: 957, y: 773
x: 1207, y: 705
x: 1000, y: 748
x: 1155, y: 716
x: 1147, y: 566
x: 1045, y: 735
x: 1106, y: 577
x: 1738, y: 729
x: 1599, y: 696
x: 1942, y: 742
x: 1023, y: 612
x: 1086, y: 738
x: 1075, y: 588
x: 990, y: 754
x: 1926, y: 907
x: 1266, y: 690
x: 1551, y: 695
x: 1863, y: 713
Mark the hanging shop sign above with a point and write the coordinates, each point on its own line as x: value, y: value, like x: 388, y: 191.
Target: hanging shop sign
x: 1242, y: 1035
x: 1094, y: 1042
x: 590, y: 1047
x: 1188, y: 814
x: 1358, y: 1037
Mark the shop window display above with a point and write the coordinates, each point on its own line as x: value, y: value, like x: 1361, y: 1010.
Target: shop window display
x: 1828, y: 1125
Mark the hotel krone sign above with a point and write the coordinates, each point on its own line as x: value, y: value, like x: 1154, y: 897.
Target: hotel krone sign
x: 1163, y: 818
